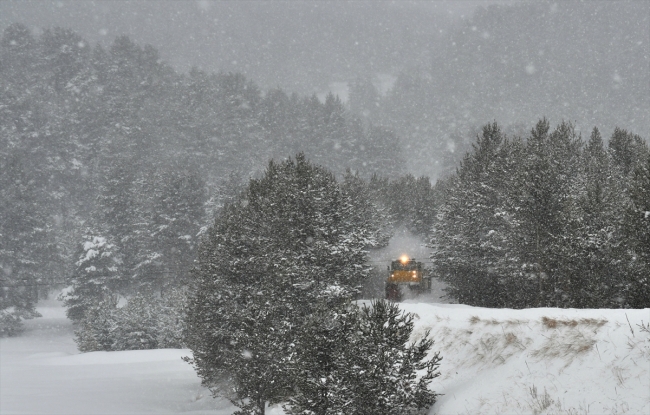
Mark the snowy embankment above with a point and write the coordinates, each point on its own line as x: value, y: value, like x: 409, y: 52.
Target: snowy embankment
x: 537, y: 361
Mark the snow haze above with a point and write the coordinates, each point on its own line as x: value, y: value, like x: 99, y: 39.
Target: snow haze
x: 153, y: 151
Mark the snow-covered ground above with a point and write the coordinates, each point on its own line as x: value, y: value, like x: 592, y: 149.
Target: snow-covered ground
x: 537, y: 361
x: 41, y: 372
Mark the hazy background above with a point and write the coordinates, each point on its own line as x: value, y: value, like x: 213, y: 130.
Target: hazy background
x: 298, y: 46
x: 432, y: 71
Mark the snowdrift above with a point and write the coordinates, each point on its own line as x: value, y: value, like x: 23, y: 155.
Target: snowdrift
x: 536, y: 361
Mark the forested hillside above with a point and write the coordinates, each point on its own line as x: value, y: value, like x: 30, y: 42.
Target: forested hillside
x: 299, y: 46
x: 109, y: 153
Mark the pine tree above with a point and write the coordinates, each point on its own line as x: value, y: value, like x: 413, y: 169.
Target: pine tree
x: 178, y: 214
x: 365, y: 211
x: 626, y: 149
x: 364, y: 97
x: 590, y: 244
x: 98, y: 275
x: 172, y: 315
x: 25, y: 241
x: 96, y: 330
x: 476, y: 228
x: 549, y: 172
x: 361, y: 361
x: 288, y: 245
x: 136, y: 324
x: 636, y: 229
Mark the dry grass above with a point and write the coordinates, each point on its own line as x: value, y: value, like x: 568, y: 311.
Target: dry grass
x: 543, y: 403
x: 640, y: 344
x: 496, y: 348
x: 553, y: 323
x: 477, y: 319
x: 539, y: 402
x: 619, y: 375
x: 511, y: 338
x: 567, y: 345
x: 569, y: 339
x: 495, y: 322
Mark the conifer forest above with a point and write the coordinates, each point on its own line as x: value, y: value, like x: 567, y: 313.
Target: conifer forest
x: 226, y: 194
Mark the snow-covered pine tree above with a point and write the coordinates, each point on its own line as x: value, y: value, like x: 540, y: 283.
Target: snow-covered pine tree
x: 289, y: 245
x: 23, y: 241
x: 98, y: 275
x: 364, y: 210
x: 96, y: 331
x: 171, y: 319
x: 363, y: 362
x: 549, y: 170
x: 136, y: 324
x: 178, y: 216
x: 313, y: 366
x: 364, y: 97
x: 592, y: 259
x: 476, y: 228
x: 636, y: 229
x: 626, y: 150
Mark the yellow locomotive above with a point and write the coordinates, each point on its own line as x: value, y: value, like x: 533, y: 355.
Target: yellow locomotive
x: 406, y: 272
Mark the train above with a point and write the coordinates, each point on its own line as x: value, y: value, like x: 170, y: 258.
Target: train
x: 406, y: 272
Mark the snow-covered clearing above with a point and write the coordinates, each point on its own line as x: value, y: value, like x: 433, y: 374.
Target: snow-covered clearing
x: 537, y: 361
x: 41, y: 372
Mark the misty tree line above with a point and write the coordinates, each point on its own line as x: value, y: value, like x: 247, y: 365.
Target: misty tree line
x: 111, y: 147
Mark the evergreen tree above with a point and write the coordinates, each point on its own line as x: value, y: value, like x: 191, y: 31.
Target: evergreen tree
x: 96, y: 331
x: 364, y: 97
x: 136, y: 324
x: 366, y: 212
x: 289, y: 244
x: 98, y: 276
x: 476, y: 228
x: 591, y: 241
x: 626, y: 149
x: 412, y: 203
x: 549, y: 172
x: 539, y: 223
x: 25, y: 241
x: 172, y: 315
x: 361, y: 361
x: 178, y: 215
x: 636, y: 229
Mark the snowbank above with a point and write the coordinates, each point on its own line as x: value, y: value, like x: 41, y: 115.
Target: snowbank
x: 536, y: 361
